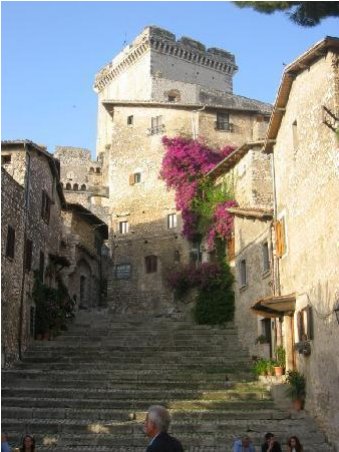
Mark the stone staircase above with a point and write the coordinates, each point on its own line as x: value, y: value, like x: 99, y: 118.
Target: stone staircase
x: 89, y: 389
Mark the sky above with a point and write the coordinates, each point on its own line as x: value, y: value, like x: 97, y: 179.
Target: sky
x: 51, y: 52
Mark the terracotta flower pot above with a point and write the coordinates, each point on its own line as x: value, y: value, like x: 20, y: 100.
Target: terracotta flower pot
x: 279, y: 371
x: 298, y: 405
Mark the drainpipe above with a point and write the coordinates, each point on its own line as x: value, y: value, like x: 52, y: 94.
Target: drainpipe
x: 276, y: 275
x: 26, y: 210
x: 194, y: 132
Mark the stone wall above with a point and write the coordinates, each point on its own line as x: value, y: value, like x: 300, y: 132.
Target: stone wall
x: 12, y: 214
x: 306, y: 165
x: 250, y: 180
x: 82, y: 179
x: 35, y: 167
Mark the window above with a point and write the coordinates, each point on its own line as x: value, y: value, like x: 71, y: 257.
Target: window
x: 280, y: 237
x: 304, y: 324
x: 123, y: 227
x: 177, y: 257
x: 135, y: 178
x: 223, y: 122
x: 75, y: 187
x: 70, y: 175
x: 151, y: 263
x: 243, y: 273
x: 98, y: 170
x: 129, y: 120
x: 295, y: 135
x: 45, y: 207
x: 68, y: 186
x: 83, y: 187
x: 172, y: 98
x: 41, y: 266
x: 123, y: 271
x: 266, y: 257
x: 156, y: 125
x: 172, y: 221
x: 10, y: 245
x: 28, y: 255
x: 6, y: 159
x: 91, y: 170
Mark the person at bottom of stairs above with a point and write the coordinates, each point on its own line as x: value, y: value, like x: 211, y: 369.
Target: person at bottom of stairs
x: 243, y: 445
x: 156, y: 426
x: 270, y: 444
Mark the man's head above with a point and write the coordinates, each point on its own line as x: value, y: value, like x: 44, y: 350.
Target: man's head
x: 245, y: 441
x: 157, y: 420
x: 269, y: 437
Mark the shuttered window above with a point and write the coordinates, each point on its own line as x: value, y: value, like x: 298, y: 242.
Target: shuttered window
x: 28, y: 255
x: 280, y: 237
x: 231, y: 248
x: 151, y: 263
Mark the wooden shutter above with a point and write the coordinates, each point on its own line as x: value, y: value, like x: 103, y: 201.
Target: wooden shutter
x: 131, y: 179
x: 231, y: 248
x: 278, y: 246
x: 300, y: 326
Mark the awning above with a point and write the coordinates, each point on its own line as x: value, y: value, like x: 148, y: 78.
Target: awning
x: 275, y: 306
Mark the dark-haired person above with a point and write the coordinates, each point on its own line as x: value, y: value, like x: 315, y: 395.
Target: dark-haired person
x: 156, y: 426
x: 28, y: 444
x: 270, y: 444
x: 294, y: 445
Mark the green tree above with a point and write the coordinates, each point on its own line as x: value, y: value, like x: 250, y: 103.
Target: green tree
x: 306, y: 14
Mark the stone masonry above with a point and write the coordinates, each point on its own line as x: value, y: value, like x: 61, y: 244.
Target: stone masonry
x: 305, y: 151
x: 12, y: 216
x: 37, y: 225
x: 160, y: 86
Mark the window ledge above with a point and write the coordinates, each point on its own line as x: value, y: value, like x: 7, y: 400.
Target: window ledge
x: 243, y: 288
x: 265, y: 274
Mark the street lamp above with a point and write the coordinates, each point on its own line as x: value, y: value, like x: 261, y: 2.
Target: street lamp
x: 336, y: 310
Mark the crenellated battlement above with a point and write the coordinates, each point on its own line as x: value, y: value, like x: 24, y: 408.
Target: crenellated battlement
x: 163, y: 42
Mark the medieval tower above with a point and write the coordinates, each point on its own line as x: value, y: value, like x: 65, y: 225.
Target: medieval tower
x: 160, y: 86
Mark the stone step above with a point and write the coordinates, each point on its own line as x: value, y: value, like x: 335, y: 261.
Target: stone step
x: 90, y: 388
x: 84, y: 390
x: 72, y: 401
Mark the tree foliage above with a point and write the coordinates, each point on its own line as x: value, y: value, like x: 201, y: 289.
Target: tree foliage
x: 306, y: 14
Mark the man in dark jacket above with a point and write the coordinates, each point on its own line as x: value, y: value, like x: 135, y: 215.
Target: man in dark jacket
x: 270, y: 444
x: 156, y: 426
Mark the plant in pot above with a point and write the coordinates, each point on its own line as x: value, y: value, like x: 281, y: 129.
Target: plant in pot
x: 280, y: 361
x: 296, y: 389
x: 261, y: 339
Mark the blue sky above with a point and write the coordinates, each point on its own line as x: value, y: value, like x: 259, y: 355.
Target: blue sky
x: 52, y: 50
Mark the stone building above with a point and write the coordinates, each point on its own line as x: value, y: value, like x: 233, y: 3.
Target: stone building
x: 247, y: 173
x: 32, y: 199
x: 303, y: 143
x: 12, y: 254
x: 82, y: 244
x: 81, y: 179
x: 160, y: 86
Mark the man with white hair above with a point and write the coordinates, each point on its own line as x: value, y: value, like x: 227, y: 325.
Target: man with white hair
x: 157, y: 423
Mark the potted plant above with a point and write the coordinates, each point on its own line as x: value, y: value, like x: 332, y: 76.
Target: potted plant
x: 296, y: 389
x: 261, y: 339
x: 280, y: 361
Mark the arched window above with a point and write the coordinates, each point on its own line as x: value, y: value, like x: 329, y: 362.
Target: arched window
x: 151, y: 263
x: 91, y: 170
x: 68, y: 186
x: 75, y: 187
x: 83, y: 187
x: 98, y: 170
x: 70, y: 175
